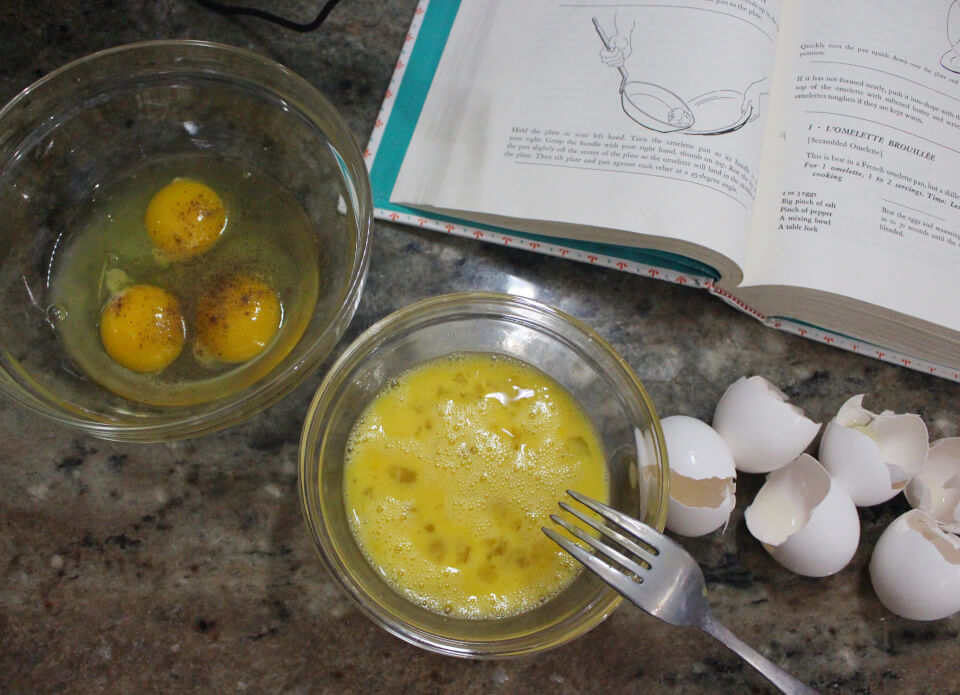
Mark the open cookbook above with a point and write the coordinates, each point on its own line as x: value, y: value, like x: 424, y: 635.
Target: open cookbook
x: 799, y: 159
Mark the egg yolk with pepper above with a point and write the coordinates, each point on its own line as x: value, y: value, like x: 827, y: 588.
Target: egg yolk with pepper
x: 237, y: 319
x: 185, y: 218
x: 142, y: 328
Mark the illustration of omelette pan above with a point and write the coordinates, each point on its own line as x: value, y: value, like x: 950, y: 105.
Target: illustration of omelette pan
x: 659, y: 109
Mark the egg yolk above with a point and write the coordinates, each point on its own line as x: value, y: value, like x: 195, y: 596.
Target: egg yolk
x: 185, y: 218
x: 142, y: 328
x: 237, y: 320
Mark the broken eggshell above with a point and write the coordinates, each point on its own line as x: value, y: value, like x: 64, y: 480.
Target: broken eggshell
x: 702, y: 476
x: 762, y: 430
x: 805, y: 521
x: 936, y: 488
x: 873, y: 456
x: 915, y: 568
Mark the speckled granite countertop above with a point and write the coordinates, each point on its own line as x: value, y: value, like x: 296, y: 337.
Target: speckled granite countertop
x: 186, y: 568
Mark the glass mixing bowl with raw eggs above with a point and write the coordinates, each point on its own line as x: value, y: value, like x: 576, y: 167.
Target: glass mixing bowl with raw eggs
x: 198, y: 290
x: 187, y: 238
x: 435, y: 450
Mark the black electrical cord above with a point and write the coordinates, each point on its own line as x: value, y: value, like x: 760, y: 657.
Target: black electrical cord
x: 269, y: 16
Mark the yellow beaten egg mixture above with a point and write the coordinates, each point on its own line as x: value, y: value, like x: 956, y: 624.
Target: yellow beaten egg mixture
x: 452, y: 471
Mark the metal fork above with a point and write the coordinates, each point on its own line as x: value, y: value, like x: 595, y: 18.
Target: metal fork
x: 661, y: 578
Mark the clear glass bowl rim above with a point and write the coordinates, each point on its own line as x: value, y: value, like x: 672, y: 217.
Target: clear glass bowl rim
x: 312, y: 105
x: 312, y: 434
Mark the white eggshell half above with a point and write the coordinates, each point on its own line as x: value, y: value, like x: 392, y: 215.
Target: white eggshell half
x: 915, y: 568
x: 936, y: 489
x: 872, y: 455
x: 698, y: 521
x: 806, y: 522
x: 763, y: 431
x: 702, y: 476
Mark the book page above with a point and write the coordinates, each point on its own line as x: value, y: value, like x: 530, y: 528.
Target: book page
x: 637, y: 116
x: 862, y: 195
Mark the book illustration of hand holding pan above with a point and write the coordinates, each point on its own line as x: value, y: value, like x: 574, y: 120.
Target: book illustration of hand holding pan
x: 662, y: 110
x: 951, y: 59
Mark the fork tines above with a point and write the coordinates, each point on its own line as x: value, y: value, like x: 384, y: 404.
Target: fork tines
x: 627, y: 534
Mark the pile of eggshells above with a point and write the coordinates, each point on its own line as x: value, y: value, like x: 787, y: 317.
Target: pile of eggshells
x: 805, y: 514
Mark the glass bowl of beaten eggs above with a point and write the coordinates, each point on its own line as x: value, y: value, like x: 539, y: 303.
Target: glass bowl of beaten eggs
x: 186, y: 237
x: 437, y: 447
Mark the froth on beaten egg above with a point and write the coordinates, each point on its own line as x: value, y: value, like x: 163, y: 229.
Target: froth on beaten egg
x: 184, y: 218
x: 452, y: 472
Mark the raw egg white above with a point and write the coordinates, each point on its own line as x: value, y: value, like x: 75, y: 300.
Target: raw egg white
x: 873, y: 456
x: 702, y: 476
x: 915, y: 568
x: 936, y: 488
x: 762, y: 430
x: 806, y: 522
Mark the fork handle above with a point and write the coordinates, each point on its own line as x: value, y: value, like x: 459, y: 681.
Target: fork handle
x: 773, y: 673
